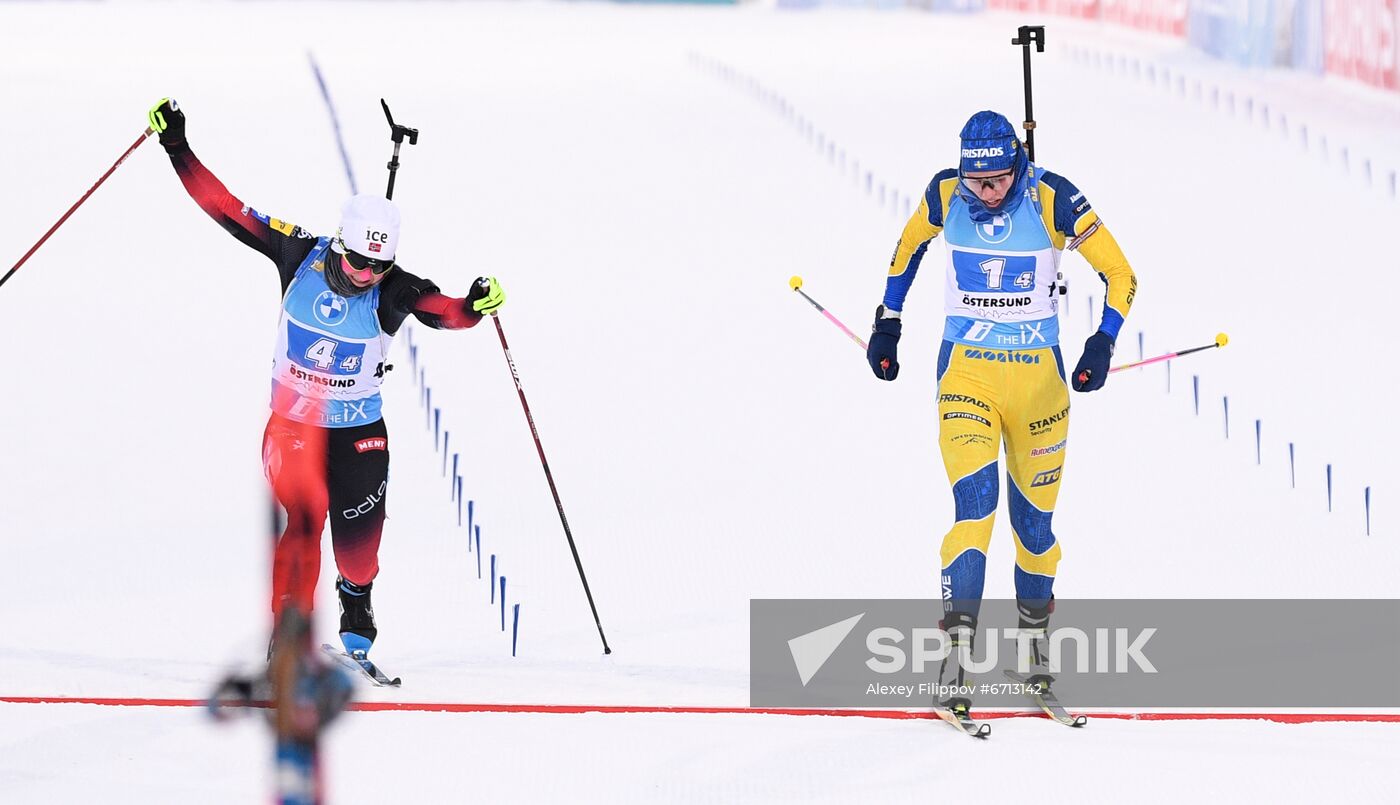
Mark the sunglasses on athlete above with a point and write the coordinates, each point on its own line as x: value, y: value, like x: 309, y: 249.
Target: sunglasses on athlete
x: 359, y: 262
x: 975, y: 183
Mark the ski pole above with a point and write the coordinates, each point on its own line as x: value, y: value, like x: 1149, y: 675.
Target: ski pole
x: 1026, y: 36
x: 539, y: 448
x: 796, y: 284
x: 77, y: 204
x: 1220, y: 340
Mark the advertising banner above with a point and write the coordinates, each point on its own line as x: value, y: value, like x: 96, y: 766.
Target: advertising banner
x: 1160, y: 16
x: 1240, y: 31
x: 1359, y: 37
x: 1083, y: 9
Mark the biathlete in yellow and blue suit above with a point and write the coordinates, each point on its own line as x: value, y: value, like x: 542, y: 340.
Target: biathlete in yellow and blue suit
x: 1000, y: 373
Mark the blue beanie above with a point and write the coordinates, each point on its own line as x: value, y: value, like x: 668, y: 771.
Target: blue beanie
x: 989, y: 143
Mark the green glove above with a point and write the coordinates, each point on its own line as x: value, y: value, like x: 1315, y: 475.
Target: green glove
x: 168, y: 121
x: 486, y: 296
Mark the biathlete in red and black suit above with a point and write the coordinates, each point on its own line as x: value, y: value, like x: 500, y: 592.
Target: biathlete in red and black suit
x: 326, y: 450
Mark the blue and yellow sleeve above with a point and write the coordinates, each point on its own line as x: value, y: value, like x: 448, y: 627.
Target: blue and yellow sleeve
x: 923, y: 226
x: 1075, y: 225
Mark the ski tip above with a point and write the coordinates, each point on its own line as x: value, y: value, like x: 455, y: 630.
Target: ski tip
x: 1079, y: 721
x: 983, y: 731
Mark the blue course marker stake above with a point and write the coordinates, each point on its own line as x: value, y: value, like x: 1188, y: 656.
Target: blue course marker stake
x: 478, y: 551
x: 437, y: 426
x: 1227, y: 416
x: 493, y: 578
x: 457, y: 495
x: 1292, y: 468
x: 1196, y: 392
x: 455, y: 474
x: 1140, y: 348
x: 1368, y: 518
x: 445, y: 435
x: 515, y: 621
x: 471, y: 525
x: 1329, y: 487
x: 503, y: 603
x: 428, y: 411
x: 1258, y: 441
x: 413, y: 359
x: 1169, y: 377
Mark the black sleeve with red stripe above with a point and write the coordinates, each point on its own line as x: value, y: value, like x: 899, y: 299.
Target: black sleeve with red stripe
x: 403, y: 294
x: 284, y: 244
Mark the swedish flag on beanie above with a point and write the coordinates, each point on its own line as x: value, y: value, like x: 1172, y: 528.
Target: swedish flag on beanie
x: 989, y: 143
x: 369, y: 226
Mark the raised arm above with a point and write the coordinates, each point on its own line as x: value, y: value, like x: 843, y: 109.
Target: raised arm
x: 282, y: 242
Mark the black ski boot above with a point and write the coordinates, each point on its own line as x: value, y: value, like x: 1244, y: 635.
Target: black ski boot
x: 1035, y: 620
x: 357, y: 630
x: 953, y: 679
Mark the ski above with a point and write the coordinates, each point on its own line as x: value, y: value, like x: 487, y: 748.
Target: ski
x: 964, y: 722
x: 1049, y: 704
x: 362, y: 664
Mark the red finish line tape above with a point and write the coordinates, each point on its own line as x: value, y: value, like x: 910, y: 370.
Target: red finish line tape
x: 567, y: 709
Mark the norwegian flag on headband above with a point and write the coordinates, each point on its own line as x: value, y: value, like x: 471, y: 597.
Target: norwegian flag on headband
x: 374, y: 247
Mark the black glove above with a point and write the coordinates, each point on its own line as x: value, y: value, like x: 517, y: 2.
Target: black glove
x: 168, y: 121
x: 883, y: 352
x: 1092, y: 369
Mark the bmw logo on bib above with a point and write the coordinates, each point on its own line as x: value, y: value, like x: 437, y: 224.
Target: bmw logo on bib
x: 329, y: 308
x: 996, y: 230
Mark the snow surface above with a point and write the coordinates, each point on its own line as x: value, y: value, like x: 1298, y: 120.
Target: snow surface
x: 713, y: 439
